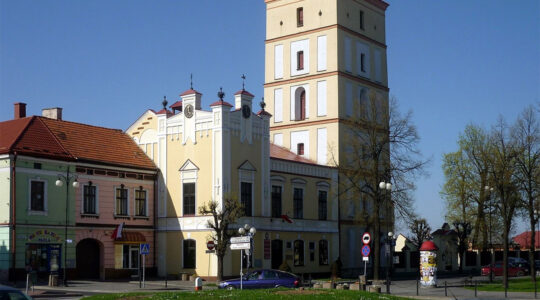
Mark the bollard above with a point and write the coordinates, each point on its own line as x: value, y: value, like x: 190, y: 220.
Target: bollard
x: 475, y: 289
x: 27, y: 280
x: 445, y: 291
x: 198, y: 284
x: 417, y: 281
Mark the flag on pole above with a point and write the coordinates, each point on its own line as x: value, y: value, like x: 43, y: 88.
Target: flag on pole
x: 286, y: 218
x: 117, y: 233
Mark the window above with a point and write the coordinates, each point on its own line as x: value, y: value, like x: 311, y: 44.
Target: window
x: 140, y: 202
x: 130, y: 256
x: 121, y: 201
x: 276, y: 201
x: 362, y: 20
x: 37, y: 195
x: 245, y: 196
x: 189, y: 254
x: 298, y: 253
x: 298, y: 203
x: 89, y: 199
x: 300, y: 149
x: 300, y: 60
x: 323, y: 208
x: 300, y: 104
x: 363, y: 62
x: 300, y: 17
x: 311, y: 251
x: 189, y: 198
x: 323, y: 252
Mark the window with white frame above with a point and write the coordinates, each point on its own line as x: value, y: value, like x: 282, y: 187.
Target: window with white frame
x: 298, y: 253
x: 189, y: 198
x: 122, y: 201
x: 276, y: 201
x: 130, y: 256
x: 188, y: 177
x: 246, y: 176
x: 37, y: 196
x: 140, y: 202
x: 246, y: 197
x: 89, y: 198
x: 323, y: 205
x: 323, y: 252
x: 298, y: 203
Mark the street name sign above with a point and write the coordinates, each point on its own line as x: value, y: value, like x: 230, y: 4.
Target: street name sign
x: 239, y: 246
x: 239, y: 239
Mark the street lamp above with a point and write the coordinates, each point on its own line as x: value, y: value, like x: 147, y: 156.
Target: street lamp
x: 59, y: 183
x: 248, y: 231
x: 489, y: 190
x: 388, y: 187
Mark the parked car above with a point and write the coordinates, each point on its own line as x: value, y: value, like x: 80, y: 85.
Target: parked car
x: 9, y: 293
x: 260, y: 279
x: 497, y: 269
x: 520, y: 262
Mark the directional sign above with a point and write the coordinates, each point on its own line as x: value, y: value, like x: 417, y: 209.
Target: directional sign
x: 366, y: 238
x: 210, y: 245
x: 239, y: 246
x: 365, y: 250
x: 145, y: 249
x: 240, y: 239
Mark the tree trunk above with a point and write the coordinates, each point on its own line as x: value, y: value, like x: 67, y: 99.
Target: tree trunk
x: 376, y: 244
x: 532, y: 248
x: 220, y: 268
x: 461, y: 255
x: 505, y: 254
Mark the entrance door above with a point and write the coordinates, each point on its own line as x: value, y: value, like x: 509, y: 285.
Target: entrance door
x: 277, y: 253
x: 88, y: 259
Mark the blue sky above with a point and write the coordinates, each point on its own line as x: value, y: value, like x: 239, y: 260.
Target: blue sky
x: 105, y: 62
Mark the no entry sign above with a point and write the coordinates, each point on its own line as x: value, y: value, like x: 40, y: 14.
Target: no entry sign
x: 210, y: 245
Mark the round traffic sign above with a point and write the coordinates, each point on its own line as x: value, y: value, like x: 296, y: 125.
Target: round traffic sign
x: 210, y: 245
x: 366, y: 238
x: 365, y: 250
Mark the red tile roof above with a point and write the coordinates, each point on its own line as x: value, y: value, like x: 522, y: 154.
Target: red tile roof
x: 221, y: 102
x: 189, y: 92
x: 285, y: 154
x: 69, y: 141
x: 263, y: 112
x: 176, y: 104
x: 164, y: 111
x: 524, y: 239
x: 244, y: 92
x: 131, y: 237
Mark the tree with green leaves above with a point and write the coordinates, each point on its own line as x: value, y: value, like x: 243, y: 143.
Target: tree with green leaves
x: 222, y: 216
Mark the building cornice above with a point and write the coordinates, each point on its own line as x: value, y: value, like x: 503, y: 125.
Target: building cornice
x: 328, y: 74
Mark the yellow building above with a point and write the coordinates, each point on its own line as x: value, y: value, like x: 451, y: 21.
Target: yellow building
x: 210, y: 154
x: 323, y: 59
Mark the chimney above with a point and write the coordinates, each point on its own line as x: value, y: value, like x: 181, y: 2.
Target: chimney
x: 52, y: 113
x: 20, y: 110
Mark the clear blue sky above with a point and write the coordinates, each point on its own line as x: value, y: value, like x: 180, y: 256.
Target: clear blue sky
x: 106, y: 62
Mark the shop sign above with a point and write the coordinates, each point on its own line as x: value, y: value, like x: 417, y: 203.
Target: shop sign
x: 44, y: 236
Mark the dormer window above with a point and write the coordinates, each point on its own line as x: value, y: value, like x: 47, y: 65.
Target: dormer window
x: 300, y: 17
x: 300, y: 60
x: 300, y: 148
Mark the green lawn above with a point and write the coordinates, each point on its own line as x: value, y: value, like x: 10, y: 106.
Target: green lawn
x: 514, y: 285
x: 310, y: 294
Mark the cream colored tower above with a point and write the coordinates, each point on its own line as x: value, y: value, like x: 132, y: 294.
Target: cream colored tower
x: 323, y: 57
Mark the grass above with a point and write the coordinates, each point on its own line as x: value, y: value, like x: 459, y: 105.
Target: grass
x: 311, y: 294
x: 514, y: 285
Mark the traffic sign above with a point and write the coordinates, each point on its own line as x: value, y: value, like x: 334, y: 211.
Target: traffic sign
x: 240, y: 239
x: 210, y: 245
x: 365, y: 250
x: 239, y: 246
x: 366, y: 238
x: 145, y: 249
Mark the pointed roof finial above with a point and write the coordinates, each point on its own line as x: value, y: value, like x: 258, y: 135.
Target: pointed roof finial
x: 263, y: 105
x: 164, y: 102
x: 221, y: 94
x: 243, y: 81
x: 191, y: 81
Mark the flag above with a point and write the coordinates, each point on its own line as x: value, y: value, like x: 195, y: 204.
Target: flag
x: 117, y: 233
x: 286, y: 218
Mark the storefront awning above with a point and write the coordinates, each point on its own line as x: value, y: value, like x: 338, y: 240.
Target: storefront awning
x: 131, y: 237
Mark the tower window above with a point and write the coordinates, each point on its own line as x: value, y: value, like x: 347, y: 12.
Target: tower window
x: 362, y: 20
x: 300, y: 17
x: 300, y: 148
x: 363, y: 62
x: 300, y: 104
x: 300, y: 60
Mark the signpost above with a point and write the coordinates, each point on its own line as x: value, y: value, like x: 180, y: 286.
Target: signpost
x: 366, y: 239
x: 241, y: 243
x: 144, y: 250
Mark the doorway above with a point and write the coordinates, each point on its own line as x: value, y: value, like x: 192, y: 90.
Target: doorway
x: 277, y: 253
x: 88, y: 259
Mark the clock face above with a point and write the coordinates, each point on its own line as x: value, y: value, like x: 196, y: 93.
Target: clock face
x: 246, y: 111
x: 189, y: 111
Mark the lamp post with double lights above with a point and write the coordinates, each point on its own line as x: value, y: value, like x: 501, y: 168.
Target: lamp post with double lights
x: 489, y: 190
x: 248, y: 231
x: 387, y: 186
x: 59, y: 183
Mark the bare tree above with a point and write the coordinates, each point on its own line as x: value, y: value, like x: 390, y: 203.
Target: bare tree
x: 420, y: 232
x: 382, y: 146
x: 526, y: 133
x: 222, y: 217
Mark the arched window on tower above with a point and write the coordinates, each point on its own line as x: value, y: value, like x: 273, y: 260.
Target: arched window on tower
x: 300, y: 104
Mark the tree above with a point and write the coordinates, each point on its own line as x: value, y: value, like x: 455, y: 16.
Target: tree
x: 420, y: 232
x: 463, y: 230
x: 382, y: 145
x: 526, y: 134
x: 222, y: 217
x: 502, y: 162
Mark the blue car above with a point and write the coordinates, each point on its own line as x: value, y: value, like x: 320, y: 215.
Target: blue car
x: 262, y: 279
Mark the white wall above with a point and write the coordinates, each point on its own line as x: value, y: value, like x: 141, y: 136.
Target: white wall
x: 278, y: 105
x: 321, y: 53
x: 321, y: 98
x: 278, y: 61
x: 300, y: 137
x: 296, y: 46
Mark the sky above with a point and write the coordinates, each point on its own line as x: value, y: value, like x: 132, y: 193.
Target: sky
x: 105, y: 62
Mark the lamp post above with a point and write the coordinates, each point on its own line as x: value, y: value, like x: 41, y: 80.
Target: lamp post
x: 388, y: 188
x: 489, y: 190
x: 59, y: 183
x: 248, y: 231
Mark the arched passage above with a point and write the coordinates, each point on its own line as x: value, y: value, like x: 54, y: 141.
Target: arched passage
x: 88, y: 259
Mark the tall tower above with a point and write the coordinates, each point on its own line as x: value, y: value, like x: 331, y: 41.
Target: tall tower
x: 323, y: 59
